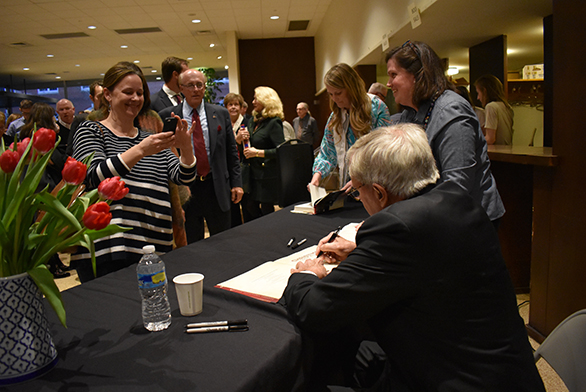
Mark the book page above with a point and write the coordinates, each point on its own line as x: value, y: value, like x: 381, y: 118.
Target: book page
x: 267, y: 282
x: 316, y: 193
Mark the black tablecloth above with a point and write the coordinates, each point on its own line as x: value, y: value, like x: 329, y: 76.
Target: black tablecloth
x: 106, y: 348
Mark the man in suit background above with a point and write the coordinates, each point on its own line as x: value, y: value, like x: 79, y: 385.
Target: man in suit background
x: 66, y: 111
x: 305, y: 126
x: 96, y: 90
x: 425, y: 274
x: 169, y: 94
x: 218, y: 181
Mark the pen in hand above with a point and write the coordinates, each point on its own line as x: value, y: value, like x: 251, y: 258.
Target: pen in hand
x: 332, y: 239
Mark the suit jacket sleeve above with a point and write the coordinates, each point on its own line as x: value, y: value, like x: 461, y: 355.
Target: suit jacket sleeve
x: 160, y: 101
x: 362, y: 285
x: 232, y: 159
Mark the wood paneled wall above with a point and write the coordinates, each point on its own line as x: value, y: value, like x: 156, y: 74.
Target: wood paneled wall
x: 285, y: 64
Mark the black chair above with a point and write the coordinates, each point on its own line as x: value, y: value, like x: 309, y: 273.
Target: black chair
x: 295, y: 162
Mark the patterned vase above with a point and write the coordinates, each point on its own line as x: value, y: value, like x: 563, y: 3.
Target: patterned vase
x: 26, y: 347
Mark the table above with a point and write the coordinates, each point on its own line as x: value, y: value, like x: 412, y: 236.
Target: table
x: 516, y: 169
x: 106, y: 348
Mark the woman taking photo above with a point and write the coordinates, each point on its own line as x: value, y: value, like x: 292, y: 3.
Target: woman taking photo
x: 354, y: 114
x: 265, y: 133
x: 143, y: 160
x: 418, y: 81
x: 498, y: 126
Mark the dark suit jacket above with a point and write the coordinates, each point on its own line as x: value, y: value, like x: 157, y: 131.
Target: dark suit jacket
x: 428, y: 277
x: 224, y: 162
x: 160, y: 100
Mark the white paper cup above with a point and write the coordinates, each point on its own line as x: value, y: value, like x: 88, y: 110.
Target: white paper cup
x: 189, y: 289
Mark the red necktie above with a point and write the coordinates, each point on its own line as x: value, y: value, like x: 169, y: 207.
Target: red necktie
x: 178, y: 98
x: 199, y: 147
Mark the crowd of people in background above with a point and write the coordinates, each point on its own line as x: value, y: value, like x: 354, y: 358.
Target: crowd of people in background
x: 237, y: 178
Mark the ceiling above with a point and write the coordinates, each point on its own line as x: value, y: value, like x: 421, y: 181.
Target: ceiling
x: 449, y: 26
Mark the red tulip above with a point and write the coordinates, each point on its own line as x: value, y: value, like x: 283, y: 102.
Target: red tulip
x: 112, y: 189
x: 73, y: 171
x: 44, y: 140
x: 8, y: 161
x: 97, y: 216
x: 21, y: 146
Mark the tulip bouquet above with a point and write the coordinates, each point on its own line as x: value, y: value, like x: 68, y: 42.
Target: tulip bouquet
x: 35, y: 225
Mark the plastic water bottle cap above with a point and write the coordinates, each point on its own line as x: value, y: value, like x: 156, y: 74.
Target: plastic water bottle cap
x: 148, y: 249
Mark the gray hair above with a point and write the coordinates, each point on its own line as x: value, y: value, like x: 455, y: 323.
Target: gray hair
x: 378, y: 88
x: 397, y: 157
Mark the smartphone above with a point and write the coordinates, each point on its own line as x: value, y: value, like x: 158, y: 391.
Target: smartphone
x: 170, y: 124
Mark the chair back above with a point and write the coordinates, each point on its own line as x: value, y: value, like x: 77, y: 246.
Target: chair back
x: 565, y: 350
x: 295, y: 163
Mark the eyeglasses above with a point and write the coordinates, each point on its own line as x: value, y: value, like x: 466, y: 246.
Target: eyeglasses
x: 415, y: 49
x: 196, y: 86
x: 354, y: 192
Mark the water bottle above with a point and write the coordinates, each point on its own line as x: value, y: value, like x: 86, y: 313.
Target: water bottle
x: 245, y: 142
x: 152, y: 285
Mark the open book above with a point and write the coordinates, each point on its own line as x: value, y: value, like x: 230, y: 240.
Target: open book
x: 267, y: 282
x: 321, y: 201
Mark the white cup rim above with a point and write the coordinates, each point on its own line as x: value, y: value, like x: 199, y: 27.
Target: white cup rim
x: 188, y: 278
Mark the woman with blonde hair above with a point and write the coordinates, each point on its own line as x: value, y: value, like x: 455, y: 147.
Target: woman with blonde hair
x: 354, y: 114
x: 498, y: 125
x: 260, y: 141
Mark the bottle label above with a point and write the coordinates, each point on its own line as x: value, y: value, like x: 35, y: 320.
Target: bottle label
x: 152, y: 281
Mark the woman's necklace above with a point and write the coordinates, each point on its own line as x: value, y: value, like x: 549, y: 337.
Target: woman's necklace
x: 428, y: 115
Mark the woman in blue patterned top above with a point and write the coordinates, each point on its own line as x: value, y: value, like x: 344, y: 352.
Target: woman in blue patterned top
x: 143, y: 160
x: 354, y: 114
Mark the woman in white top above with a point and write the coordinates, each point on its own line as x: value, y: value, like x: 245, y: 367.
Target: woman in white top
x: 498, y: 126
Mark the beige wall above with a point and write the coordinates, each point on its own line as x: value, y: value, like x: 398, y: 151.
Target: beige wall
x: 353, y: 29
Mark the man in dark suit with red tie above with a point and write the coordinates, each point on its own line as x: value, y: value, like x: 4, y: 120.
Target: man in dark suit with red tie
x: 169, y: 95
x: 218, y: 181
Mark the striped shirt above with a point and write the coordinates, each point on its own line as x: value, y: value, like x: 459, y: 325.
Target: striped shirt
x: 147, y: 206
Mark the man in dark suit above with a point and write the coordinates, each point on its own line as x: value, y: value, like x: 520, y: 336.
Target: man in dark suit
x: 218, y: 180
x: 425, y: 274
x: 169, y: 95
x: 66, y: 112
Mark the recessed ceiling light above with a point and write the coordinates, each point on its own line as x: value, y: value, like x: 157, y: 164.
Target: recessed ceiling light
x: 158, y: 78
x: 136, y: 61
x: 190, y: 58
x: 196, y: 21
x: 102, y: 74
x: 212, y: 45
x: 225, y: 67
x: 92, y: 27
x: 124, y: 46
x: 77, y: 65
x: 57, y: 77
x: 50, y: 55
x: 219, y: 57
x: 26, y: 69
x: 274, y: 17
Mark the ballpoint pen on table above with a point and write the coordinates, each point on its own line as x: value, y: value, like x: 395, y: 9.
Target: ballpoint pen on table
x: 332, y: 239
x: 217, y: 323
x: 224, y: 328
x: 299, y: 243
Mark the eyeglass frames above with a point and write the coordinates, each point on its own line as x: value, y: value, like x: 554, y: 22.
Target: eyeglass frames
x: 196, y: 86
x: 415, y: 49
x: 354, y: 192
